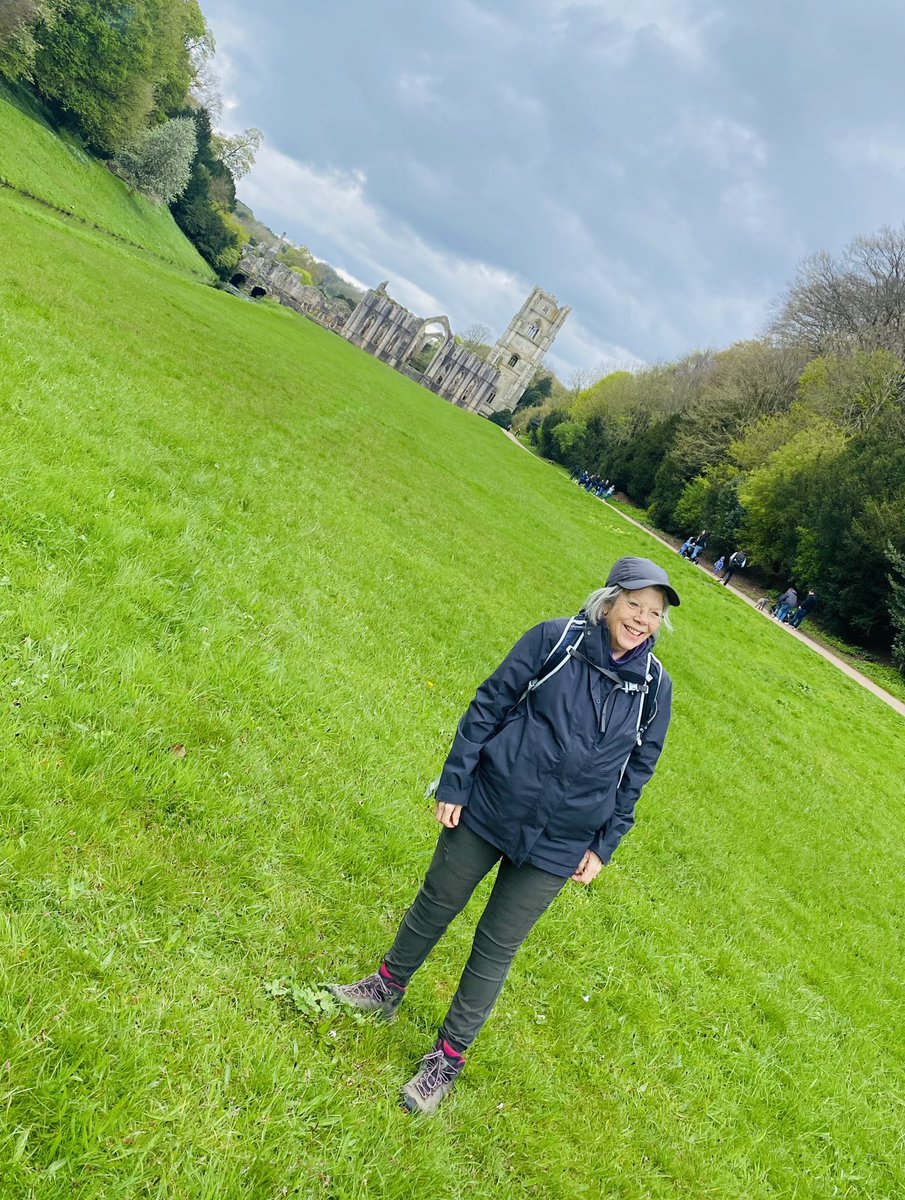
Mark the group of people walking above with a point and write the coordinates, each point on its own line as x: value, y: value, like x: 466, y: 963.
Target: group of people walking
x: 789, y: 610
x: 694, y: 546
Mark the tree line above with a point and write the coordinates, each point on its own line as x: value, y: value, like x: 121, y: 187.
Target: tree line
x: 791, y: 446
x: 133, y: 80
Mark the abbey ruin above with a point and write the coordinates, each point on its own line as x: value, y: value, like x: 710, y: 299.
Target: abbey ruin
x: 424, y: 348
x: 393, y: 334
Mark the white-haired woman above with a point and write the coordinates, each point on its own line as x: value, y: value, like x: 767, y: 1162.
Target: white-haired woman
x: 543, y: 777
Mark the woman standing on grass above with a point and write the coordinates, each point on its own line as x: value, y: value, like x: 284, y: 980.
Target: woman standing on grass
x: 543, y: 777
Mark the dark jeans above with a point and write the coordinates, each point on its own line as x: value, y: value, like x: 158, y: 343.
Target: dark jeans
x: 520, y: 896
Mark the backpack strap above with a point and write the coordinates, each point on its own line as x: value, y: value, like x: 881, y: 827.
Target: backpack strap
x: 551, y: 663
x: 648, y: 707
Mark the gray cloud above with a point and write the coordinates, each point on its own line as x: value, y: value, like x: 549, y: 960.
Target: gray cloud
x: 660, y: 166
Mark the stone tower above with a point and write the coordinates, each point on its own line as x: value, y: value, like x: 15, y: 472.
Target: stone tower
x: 520, y: 351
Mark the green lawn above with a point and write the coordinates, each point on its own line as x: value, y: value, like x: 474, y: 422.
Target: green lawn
x: 54, y: 168
x: 226, y: 530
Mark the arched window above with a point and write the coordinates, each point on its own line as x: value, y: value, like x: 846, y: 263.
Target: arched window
x: 533, y: 330
x: 513, y: 361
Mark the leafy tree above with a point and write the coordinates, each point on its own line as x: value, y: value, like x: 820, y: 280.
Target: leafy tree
x: 856, y: 390
x: 778, y: 496
x: 565, y: 438
x: 203, y: 211
x: 19, y: 20
x: 502, y: 418
x: 237, y: 151
x: 896, y: 579
x: 109, y: 65
x: 547, y: 444
x: 537, y: 392
x: 159, y: 161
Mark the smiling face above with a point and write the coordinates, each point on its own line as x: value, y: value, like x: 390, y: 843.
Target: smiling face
x: 633, y: 618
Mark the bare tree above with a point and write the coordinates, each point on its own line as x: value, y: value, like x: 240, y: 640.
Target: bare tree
x: 580, y: 379
x: 856, y: 301
x: 475, y: 338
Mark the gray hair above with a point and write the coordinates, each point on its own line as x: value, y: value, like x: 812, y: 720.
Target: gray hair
x: 602, y: 600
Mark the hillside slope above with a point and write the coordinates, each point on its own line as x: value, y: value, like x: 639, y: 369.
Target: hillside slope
x: 53, y: 168
x: 249, y: 578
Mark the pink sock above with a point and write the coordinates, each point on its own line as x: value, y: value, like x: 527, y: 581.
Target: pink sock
x: 387, y: 974
x: 451, y: 1051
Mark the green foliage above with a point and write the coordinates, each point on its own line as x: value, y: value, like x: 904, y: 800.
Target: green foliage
x: 778, y: 495
x: 896, y: 560
x: 109, y: 67
x: 538, y: 392
x: 227, y: 679
x: 18, y: 21
x: 203, y: 211
x: 237, y: 151
x: 857, y: 391
x: 546, y: 441
x: 503, y: 418
x: 159, y: 161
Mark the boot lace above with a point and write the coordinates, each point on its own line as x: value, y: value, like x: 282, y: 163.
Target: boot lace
x: 372, y: 988
x: 436, y: 1072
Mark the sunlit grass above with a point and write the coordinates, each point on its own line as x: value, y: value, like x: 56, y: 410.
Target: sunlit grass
x: 54, y: 168
x: 227, y: 532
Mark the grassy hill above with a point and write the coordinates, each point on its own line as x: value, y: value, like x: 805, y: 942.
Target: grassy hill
x: 249, y: 578
x: 53, y: 168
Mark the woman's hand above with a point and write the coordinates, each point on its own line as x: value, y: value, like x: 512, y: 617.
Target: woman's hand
x: 589, y: 868
x: 448, y: 814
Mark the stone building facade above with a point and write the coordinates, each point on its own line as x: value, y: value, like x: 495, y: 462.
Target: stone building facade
x: 261, y: 274
x: 394, y: 335
x: 520, y: 351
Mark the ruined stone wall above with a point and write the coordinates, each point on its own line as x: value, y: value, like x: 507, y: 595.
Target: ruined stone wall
x: 383, y: 328
x: 278, y: 280
x: 459, y: 375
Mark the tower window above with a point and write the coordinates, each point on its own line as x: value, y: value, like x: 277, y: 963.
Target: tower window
x: 513, y: 361
x: 533, y: 330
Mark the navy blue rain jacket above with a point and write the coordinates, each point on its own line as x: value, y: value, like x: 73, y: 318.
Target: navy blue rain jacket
x: 549, y: 776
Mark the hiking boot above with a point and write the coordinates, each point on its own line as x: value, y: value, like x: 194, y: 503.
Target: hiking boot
x: 374, y: 993
x: 440, y: 1069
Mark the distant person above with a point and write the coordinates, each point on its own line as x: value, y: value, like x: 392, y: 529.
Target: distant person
x: 719, y: 564
x: 696, y: 551
x: 787, y: 601
x: 685, y: 548
x: 542, y: 781
x: 808, y: 604
x: 737, y: 562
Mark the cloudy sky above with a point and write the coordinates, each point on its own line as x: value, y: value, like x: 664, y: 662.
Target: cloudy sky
x: 659, y: 165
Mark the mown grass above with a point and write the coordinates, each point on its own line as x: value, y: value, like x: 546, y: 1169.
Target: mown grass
x: 53, y: 167
x: 227, y: 532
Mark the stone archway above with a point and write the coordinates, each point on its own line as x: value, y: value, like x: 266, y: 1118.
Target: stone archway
x: 257, y: 292
x: 437, y: 338
x: 239, y: 280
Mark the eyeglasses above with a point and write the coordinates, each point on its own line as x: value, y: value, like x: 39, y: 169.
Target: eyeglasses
x: 654, y: 615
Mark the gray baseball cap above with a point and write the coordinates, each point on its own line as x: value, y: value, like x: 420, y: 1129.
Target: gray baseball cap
x: 634, y: 573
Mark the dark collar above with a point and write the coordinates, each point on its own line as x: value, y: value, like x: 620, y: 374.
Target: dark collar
x: 595, y: 649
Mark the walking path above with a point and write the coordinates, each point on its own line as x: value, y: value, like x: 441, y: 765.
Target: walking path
x: 796, y: 633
